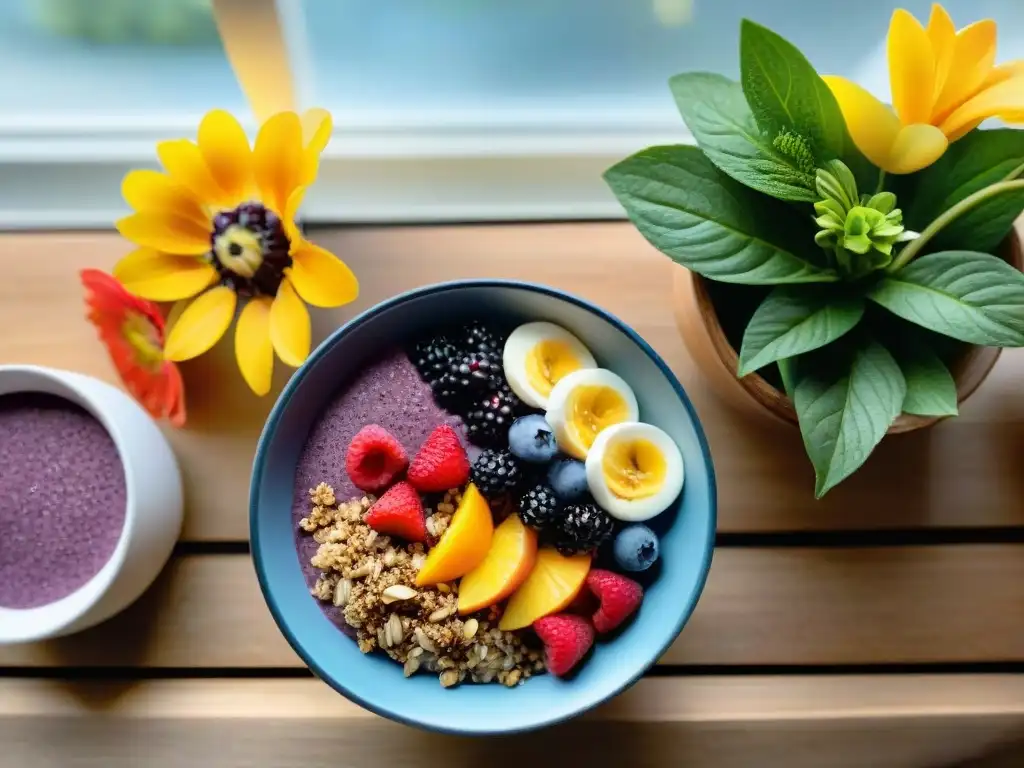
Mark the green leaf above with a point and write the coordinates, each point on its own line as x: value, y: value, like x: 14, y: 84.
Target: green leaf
x: 973, y: 297
x: 706, y: 221
x: 791, y: 321
x: 716, y: 112
x: 974, y: 162
x: 784, y: 91
x: 931, y: 390
x: 845, y: 407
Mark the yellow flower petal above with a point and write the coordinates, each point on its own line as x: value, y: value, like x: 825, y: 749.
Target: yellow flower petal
x: 146, y: 190
x: 166, y: 231
x: 917, y: 146
x: 942, y: 34
x: 1006, y: 97
x: 278, y: 159
x: 872, y: 125
x: 291, y: 211
x: 160, y: 276
x: 225, y: 150
x: 1003, y: 72
x: 316, y: 132
x: 289, y: 326
x: 185, y: 164
x: 253, y: 350
x: 320, y: 277
x: 201, y: 325
x: 973, y: 57
x: 911, y: 68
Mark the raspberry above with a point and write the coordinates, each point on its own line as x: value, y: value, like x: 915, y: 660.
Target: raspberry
x: 374, y: 459
x: 566, y: 638
x: 441, y: 463
x: 399, y: 512
x: 620, y: 598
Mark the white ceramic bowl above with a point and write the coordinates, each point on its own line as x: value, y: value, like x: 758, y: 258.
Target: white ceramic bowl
x: 152, y: 518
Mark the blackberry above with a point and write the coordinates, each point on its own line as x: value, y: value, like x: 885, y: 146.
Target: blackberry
x: 433, y: 357
x: 488, y: 420
x: 539, y: 508
x: 495, y: 473
x: 476, y: 336
x: 476, y: 372
x: 583, y: 528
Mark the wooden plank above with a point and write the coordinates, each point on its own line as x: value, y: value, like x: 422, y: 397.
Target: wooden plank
x: 731, y: 722
x: 761, y: 606
x: 961, y: 473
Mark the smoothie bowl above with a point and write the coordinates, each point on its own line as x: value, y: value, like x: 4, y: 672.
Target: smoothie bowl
x: 482, y: 507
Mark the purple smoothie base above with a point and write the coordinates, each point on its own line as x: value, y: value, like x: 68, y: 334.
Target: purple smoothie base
x: 389, y: 393
x: 63, y: 499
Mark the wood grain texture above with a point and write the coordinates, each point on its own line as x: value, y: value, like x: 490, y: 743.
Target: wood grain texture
x: 760, y: 606
x: 768, y: 722
x: 964, y: 472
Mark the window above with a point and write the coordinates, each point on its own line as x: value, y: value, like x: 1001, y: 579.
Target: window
x: 445, y: 109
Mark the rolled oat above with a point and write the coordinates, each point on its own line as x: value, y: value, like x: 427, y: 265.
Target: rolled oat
x: 372, y: 579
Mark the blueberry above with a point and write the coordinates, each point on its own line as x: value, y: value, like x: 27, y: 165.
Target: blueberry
x: 530, y: 438
x: 635, y: 548
x: 568, y: 479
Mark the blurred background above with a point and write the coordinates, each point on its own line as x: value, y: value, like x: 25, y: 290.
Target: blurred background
x: 92, y: 83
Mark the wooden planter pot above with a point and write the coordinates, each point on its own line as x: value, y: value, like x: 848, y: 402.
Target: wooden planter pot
x: 706, y: 341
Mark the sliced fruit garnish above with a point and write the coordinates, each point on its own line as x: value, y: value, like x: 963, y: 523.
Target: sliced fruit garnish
x: 551, y: 586
x: 465, y: 543
x: 509, y: 561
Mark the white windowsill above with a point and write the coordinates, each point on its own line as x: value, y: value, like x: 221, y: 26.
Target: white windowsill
x: 381, y: 168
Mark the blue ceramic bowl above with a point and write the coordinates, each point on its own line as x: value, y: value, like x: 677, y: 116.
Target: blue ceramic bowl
x: 374, y: 681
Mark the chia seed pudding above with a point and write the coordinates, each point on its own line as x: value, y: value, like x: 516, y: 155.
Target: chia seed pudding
x: 62, y: 499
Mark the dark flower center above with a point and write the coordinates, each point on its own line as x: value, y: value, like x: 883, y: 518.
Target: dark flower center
x: 249, y: 249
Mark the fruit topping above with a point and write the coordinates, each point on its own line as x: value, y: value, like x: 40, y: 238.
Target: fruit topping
x: 489, y: 418
x: 539, y: 508
x: 635, y: 548
x: 476, y: 336
x: 634, y: 471
x: 567, y: 639
x: 584, y: 403
x: 551, y: 586
x: 476, y: 371
x: 374, y: 459
x: 530, y: 438
x: 537, y: 356
x: 441, y: 463
x: 433, y: 357
x: 568, y: 479
x: 495, y: 473
x: 399, y: 512
x: 619, y: 596
x: 465, y: 543
x: 582, y: 528
x: 509, y: 561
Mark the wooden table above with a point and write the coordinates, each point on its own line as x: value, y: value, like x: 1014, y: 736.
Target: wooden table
x: 883, y: 626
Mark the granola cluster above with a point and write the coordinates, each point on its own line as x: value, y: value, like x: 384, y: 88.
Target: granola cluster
x: 372, y: 579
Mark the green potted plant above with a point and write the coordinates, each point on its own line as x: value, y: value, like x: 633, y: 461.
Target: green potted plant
x: 855, y: 261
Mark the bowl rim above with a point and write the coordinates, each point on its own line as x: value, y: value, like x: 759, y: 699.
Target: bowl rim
x: 270, y: 426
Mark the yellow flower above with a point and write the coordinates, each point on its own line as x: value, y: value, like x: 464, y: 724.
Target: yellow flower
x: 219, y: 225
x: 944, y: 84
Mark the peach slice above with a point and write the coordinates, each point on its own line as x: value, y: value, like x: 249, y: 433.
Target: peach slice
x: 464, y: 545
x: 509, y: 561
x: 552, y: 584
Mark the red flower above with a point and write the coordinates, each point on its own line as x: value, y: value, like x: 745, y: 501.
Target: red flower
x: 132, y: 329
